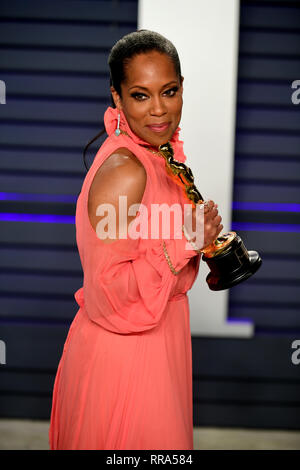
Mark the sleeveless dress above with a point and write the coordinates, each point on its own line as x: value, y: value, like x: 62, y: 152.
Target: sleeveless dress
x: 124, y: 380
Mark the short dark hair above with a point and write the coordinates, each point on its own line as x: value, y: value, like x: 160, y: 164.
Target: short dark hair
x: 132, y: 44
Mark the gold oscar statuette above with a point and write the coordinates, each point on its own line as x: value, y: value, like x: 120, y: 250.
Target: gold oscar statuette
x: 227, y: 257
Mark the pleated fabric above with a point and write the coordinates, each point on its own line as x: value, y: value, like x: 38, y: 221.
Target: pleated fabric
x: 124, y: 380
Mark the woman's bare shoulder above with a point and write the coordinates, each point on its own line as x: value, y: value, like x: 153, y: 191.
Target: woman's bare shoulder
x: 122, y: 165
x: 121, y: 174
x: 120, y: 157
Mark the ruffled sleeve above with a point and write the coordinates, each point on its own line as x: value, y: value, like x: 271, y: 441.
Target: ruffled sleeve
x: 132, y: 283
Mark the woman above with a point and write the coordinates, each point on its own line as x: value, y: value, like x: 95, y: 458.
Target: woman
x: 125, y: 377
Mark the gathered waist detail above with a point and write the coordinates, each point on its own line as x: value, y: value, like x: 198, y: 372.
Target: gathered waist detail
x: 79, y: 297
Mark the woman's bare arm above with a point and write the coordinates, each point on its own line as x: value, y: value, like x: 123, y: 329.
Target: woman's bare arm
x: 122, y: 174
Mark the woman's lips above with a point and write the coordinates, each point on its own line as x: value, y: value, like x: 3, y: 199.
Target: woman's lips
x: 160, y: 127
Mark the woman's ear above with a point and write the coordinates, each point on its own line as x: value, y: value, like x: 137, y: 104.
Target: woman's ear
x: 116, y: 98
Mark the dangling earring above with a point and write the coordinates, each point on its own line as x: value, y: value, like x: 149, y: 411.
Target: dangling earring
x: 117, y: 131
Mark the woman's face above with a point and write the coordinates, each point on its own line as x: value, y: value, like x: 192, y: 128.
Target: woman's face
x: 151, y: 97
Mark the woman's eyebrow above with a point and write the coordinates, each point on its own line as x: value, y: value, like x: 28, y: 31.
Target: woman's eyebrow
x: 144, y: 88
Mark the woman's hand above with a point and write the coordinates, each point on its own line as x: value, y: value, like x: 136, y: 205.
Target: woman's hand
x: 212, y: 223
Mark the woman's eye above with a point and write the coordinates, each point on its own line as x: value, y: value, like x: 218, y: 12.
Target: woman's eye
x: 142, y: 96
x: 171, y: 91
x: 138, y: 96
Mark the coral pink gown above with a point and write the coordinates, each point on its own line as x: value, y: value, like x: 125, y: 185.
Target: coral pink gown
x: 124, y: 380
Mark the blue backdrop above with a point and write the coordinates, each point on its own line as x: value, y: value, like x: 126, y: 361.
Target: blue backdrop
x: 53, y: 61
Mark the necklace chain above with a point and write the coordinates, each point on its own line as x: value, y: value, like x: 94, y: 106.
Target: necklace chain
x: 183, y: 176
x: 175, y: 170
x: 178, y: 171
x: 164, y: 243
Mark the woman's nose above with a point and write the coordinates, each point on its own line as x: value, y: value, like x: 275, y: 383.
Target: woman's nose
x: 158, y: 107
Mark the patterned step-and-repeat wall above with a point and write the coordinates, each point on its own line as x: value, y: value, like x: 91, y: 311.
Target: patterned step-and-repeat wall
x: 53, y: 62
